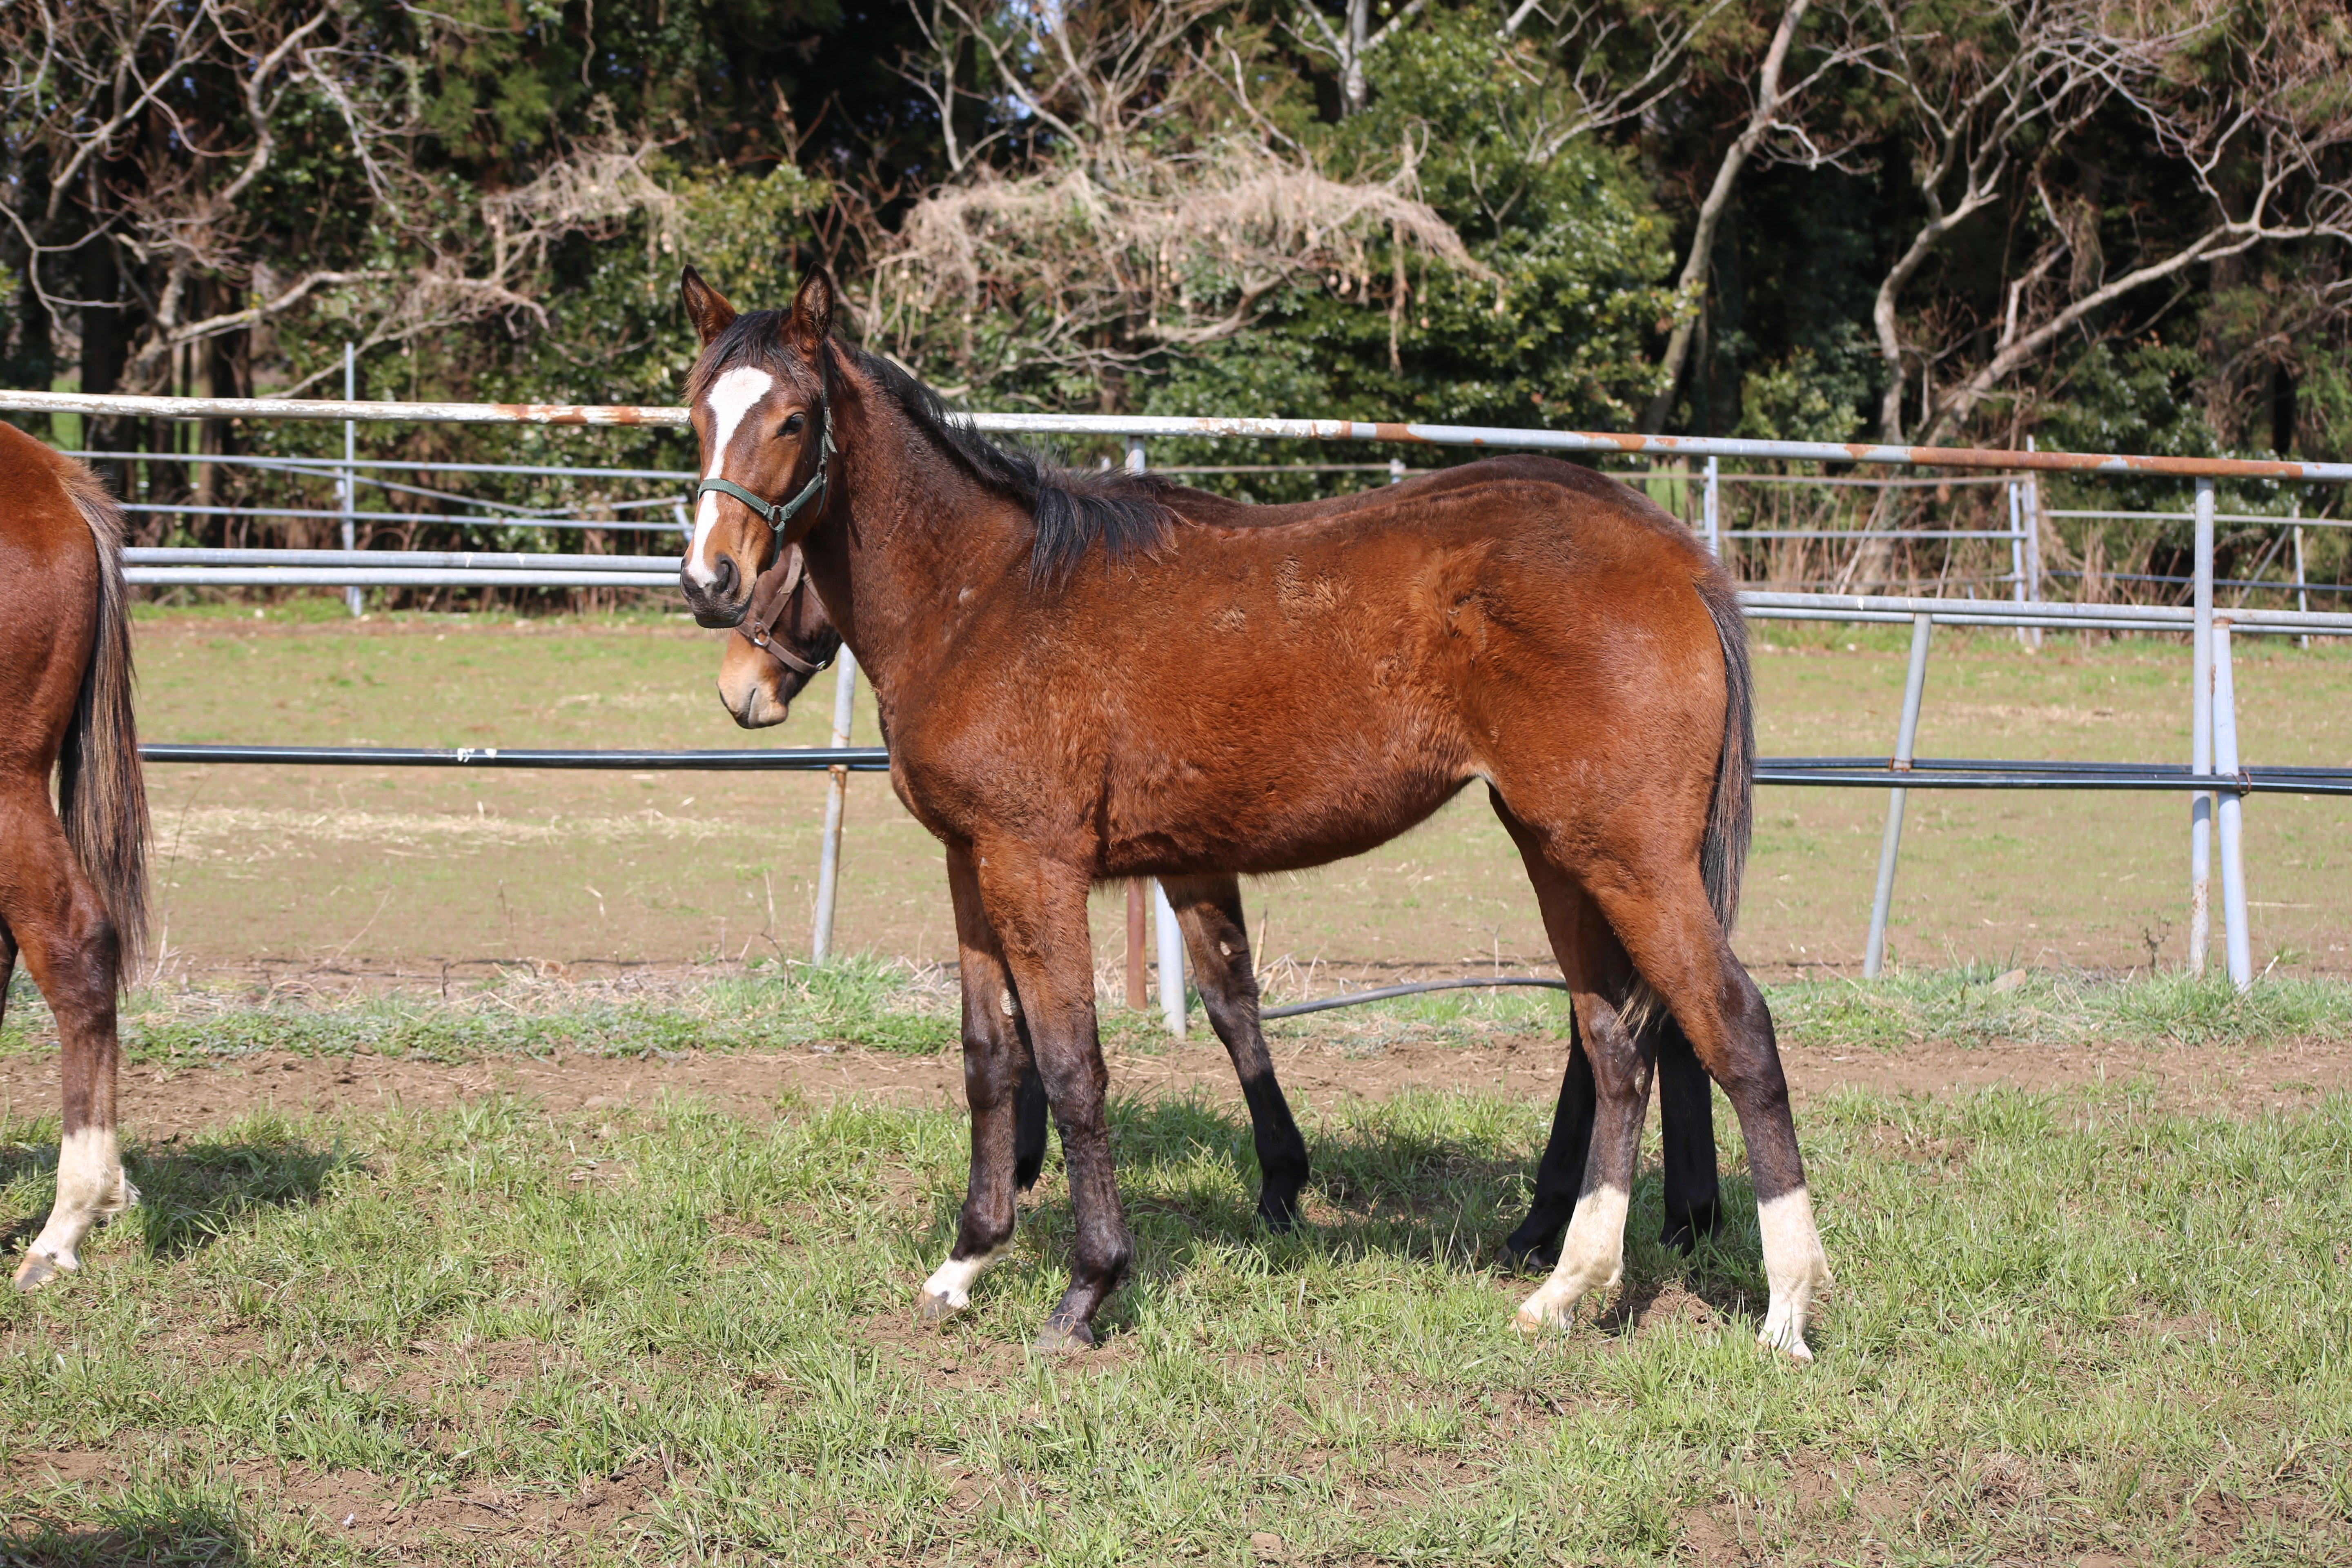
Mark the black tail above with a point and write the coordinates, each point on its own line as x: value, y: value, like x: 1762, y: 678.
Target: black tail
x: 101, y: 791
x: 1731, y: 817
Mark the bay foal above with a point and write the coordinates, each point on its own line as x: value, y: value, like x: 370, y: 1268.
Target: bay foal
x: 785, y: 638
x: 1086, y: 676
x: 73, y: 878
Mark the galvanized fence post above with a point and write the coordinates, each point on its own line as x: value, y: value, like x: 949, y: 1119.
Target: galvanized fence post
x: 1170, y: 935
x: 1906, y: 735
x: 2238, y: 940
x: 347, y: 487
x: 836, y: 797
x: 1714, y: 519
x: 2032, y: 525
x: 2200, y: 734
x: 2302, y: 592
x: 1396, y: 470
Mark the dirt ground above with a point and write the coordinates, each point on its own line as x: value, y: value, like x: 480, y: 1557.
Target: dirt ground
x: 166, y: 1102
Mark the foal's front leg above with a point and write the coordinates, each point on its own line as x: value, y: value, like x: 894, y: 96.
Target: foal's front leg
x: 1038, y: 910
x: 997, y: 1079
x: 1210, y: 909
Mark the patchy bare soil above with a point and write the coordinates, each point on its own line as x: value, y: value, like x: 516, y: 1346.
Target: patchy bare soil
x: 160, y: 1103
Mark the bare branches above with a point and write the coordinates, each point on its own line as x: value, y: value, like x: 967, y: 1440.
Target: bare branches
x: 1776, y: 112
x: 1348, y: 45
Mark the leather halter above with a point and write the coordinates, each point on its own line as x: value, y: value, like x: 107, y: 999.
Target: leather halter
x: 754, y: 629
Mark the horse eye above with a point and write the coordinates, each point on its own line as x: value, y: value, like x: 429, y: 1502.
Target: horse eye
x: 796, y: 423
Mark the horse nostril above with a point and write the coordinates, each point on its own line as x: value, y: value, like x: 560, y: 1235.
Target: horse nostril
x: 722, y: 579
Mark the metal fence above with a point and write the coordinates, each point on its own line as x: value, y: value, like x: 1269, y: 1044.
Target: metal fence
x: 2214, y: 777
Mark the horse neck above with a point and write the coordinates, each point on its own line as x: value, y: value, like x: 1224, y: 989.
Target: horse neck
x: 909, y: 530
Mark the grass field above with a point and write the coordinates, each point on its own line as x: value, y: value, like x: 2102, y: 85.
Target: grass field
x: 329, y: 876
x: 2091, y: 1323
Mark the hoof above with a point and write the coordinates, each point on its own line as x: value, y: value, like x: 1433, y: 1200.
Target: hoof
x: 1782, y: 1340
x: 1541, y: 1258
x: 1063, y: 1339
x: 1278, y: 1213
x: 38, y: 1269
x: 938, y: 1307
x: 1533, y: 1326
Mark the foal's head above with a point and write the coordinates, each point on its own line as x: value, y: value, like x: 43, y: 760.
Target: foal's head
x: 785, y: 638
x: 758, y: 399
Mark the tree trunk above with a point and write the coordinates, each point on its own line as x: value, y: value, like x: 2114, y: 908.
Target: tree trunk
x: 1710, y: 211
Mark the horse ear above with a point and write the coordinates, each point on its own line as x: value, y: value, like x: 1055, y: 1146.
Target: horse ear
x: 812, y: 318
x: 705, y: 306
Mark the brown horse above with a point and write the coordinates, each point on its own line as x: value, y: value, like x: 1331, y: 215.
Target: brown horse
x: 785, y: 638
x: 1090, y: 676
x: 73, y: 878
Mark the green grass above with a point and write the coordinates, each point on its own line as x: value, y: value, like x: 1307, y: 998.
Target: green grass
x: 2061, y: 1326
x: 862, y: 1001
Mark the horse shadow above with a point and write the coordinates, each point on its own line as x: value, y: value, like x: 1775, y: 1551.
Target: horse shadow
x: 1389, y: 1182
x: 192, y: 1194
x: 180, y: 1530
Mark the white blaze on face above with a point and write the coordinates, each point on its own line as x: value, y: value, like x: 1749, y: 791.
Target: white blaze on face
x: 731, y: 396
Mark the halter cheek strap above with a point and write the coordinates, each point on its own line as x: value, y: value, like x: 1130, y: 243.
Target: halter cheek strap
x: 754, y: 629
x: 775, y: 515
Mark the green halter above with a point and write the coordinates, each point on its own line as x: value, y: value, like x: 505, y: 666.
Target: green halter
x: 779, y: 513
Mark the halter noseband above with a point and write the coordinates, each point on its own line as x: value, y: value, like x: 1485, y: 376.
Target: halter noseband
x: 776, y: 514
x: 752, y: 629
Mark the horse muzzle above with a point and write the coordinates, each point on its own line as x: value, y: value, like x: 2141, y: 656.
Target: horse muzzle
x: 724, y: 600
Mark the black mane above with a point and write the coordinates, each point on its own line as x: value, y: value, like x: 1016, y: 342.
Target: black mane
x: 1073, y: 509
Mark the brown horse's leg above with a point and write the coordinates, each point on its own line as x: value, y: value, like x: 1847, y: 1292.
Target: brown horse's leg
x: 1667, y: 927
x: 1210, y: 909
x: 1038, y: 909
x: 7, y: 967
x: 1686, y: 1128
x: 1591, y: 1257
x: 1560, y: 1174
x: 1686, y: 1117
x: 996, y: 1071
x: 69, y: 945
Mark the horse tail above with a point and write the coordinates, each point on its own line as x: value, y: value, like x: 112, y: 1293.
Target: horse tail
x: 1731, y: 814
x: 101, y: 790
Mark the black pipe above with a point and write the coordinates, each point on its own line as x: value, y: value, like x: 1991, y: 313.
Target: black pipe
x: 1385, y: 991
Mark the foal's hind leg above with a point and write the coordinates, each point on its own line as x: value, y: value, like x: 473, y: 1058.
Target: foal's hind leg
x: 1667, y: 927
x: 49, y: 909
x: 1686, y: 1119
x: 1592, y: 1256
x: 1210, y: 909
x: 1001, y: 1084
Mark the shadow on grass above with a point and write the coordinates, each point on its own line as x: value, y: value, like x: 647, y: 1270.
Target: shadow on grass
x: 1389, y: 1183
x: 137, y: 1533
x: 191, y: 1196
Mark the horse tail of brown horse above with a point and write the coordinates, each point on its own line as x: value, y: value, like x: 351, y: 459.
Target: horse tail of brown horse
x: 1731, y: 817
x: 101, y: 790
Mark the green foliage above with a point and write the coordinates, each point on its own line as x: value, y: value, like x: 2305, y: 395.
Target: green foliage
x: 1802, y: 399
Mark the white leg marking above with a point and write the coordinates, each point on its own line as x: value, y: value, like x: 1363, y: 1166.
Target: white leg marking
x: 1591, y: 1258
x: 730, y: 397
x: 91, y: 1187
x: 1795, y: 1265
x: 948, y: 1290
x: 1006, y: 1004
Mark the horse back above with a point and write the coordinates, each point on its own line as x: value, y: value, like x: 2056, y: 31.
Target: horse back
x: 1355, y: 664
